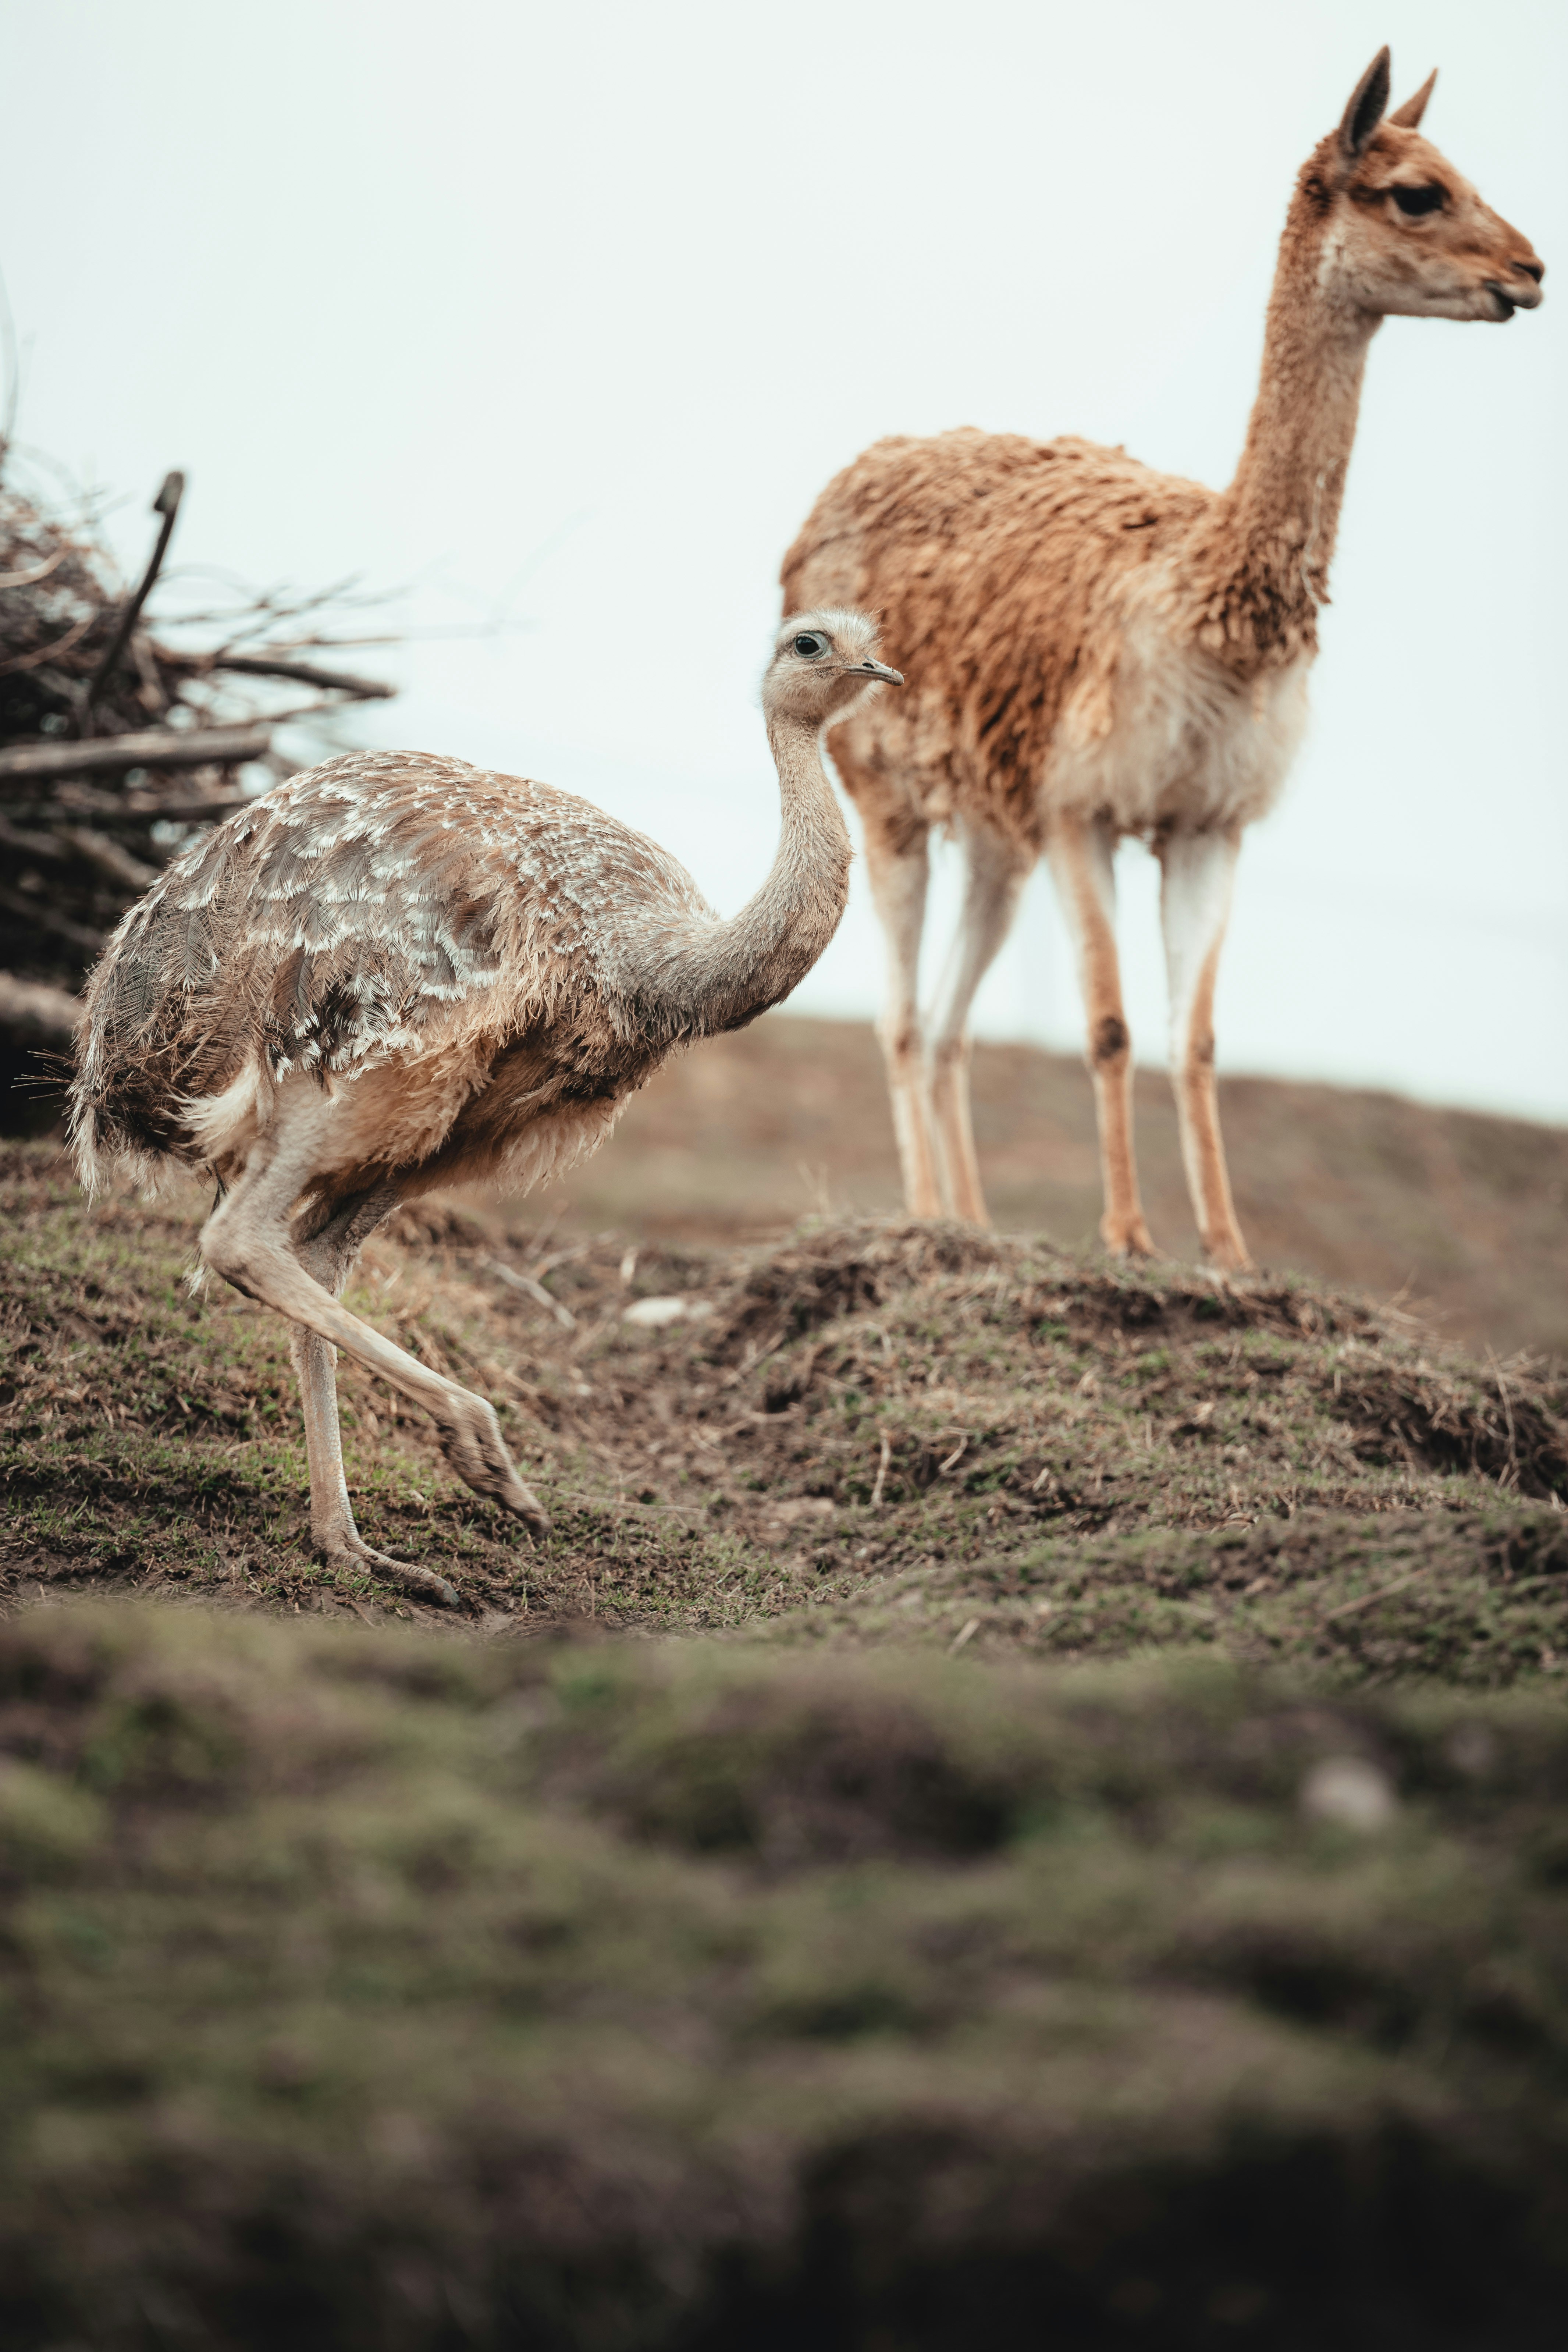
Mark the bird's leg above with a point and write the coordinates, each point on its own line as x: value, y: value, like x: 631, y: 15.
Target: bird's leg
x: 328, y: 1255
x: 248, y: 1241
x: 997, y: 871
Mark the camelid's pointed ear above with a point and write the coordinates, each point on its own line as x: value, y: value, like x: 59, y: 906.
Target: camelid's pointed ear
x: 1408, y: 116
x: 1365, y: 112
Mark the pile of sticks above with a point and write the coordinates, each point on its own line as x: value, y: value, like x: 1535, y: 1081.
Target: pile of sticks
x: 116, y: 741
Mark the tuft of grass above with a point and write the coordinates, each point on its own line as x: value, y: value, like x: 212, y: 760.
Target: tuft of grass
x: 606, y: 1995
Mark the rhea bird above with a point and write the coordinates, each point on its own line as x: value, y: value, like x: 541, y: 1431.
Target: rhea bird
x: 396, y: 970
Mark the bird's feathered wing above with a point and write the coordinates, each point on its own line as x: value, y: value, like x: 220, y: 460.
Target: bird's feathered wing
x: 384, y: 902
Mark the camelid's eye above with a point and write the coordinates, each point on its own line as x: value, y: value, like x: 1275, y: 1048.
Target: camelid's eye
x: 810, y: 645
x: 1411, y: 201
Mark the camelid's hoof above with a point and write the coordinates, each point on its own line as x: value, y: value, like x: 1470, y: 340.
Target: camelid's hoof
x: 1133, y: 1241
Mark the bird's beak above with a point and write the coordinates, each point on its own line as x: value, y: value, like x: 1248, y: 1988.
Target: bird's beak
x: 877, y: 669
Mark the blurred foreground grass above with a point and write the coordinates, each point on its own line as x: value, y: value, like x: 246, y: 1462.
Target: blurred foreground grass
x: 384, y: 1993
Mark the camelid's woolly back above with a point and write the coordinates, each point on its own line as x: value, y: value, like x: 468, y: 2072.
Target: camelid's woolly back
x: 398, y: 970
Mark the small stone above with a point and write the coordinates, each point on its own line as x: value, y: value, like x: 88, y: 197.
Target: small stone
x: 1350, y: 1792
x: 651, y: 1313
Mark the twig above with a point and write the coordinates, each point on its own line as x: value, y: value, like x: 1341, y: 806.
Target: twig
x: 342, y: 681
x: 36, y: 660
x: 39, y: 572
x: 126, y: 813
x: 1365, y: 1600
x: 534, y: 1290
x: 167, y: 504
x: 44, y: 918
x: 116, y: 865
x: 1496, y: 1370
x: 881, y: 1474
x: 545, y: 1233
x: 965, y: 1633
x: 32, y: 1006
x: 32, y: 845
x: 186, y: 747
x: 954, y: 1458
x: 542, y: 1266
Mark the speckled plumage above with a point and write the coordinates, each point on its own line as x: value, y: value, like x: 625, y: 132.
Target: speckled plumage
x: 386, y: 906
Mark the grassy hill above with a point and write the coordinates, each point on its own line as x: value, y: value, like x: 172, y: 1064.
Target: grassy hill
x: 1025, y: 1800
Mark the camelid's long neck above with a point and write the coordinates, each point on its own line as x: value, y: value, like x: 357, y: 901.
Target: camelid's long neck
x: 1262, y: 559
x: 694, y: 979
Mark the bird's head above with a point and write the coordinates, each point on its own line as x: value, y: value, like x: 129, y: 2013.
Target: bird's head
x: 823, y: 665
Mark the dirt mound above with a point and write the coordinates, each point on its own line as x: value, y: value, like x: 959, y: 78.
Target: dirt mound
x: 837, y: 1269
x: 870, y: 1418
x: 1515, y: 1434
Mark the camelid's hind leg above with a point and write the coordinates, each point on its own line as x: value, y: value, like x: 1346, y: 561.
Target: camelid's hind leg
x: 1081, y: 857
x: 1198, y: 870
x: 899, y: 867
x: 248, y: 1240
x: 996, y: 871
x: 327, y: 1249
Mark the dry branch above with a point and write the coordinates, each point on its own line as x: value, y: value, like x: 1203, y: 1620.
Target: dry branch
x: 44, y: 916
x: 341, y: 681
x: 33, y: 1010
x: 115, y: 865
x: 139, y: 814
x: 190, y: 747
x: 167, y: 505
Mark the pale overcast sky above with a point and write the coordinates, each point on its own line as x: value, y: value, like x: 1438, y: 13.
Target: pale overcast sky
x: 572, y: 311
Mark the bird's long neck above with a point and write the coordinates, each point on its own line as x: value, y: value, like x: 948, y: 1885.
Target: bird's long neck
x: 1271, y: 534
x: 694, y: 979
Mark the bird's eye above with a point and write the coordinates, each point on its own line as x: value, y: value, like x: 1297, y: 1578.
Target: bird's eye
x: 1413, y: 201
x: 809, y: 645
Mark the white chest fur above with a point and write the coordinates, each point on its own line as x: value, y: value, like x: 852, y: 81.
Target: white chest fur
x: 1174, y: 738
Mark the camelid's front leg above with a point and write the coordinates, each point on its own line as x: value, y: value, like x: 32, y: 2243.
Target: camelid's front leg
x: 246, y: 1240
x: 1198, y: 869
x: 328, y: 1255
x: 1082, y: 867
x: 898, y: 867
x: 995, y: 873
